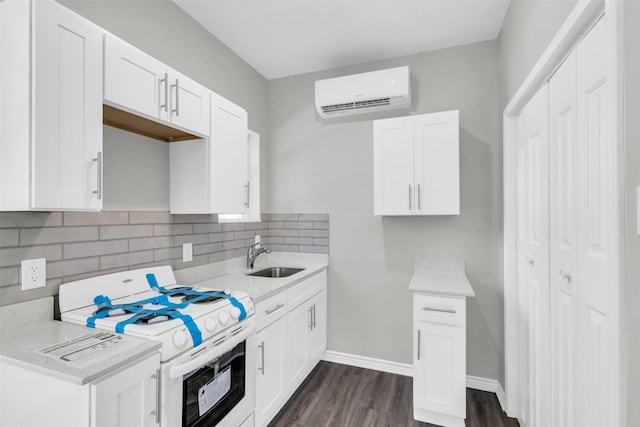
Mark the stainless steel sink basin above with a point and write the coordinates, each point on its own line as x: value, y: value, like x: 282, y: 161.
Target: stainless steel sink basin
x: 276, y: 272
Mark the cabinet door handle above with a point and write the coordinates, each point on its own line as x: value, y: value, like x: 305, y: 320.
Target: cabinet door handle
x: 261, y: 368
x: 419, y: 198
x: 98, y: 160
x: 177, y: 109
x: 418, y: 345
x: 565, y: 276
x: 156, y: 412
x: 441, y: 310
x: 530, y: 261
x: 276, y: 308
x: 313, y: 316
x: 409, y: 196
x: 166, y: 93
x: 310, y: 310
x: 248, y: 193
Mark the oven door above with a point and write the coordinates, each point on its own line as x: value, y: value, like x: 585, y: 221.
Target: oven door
x: 213, y: 385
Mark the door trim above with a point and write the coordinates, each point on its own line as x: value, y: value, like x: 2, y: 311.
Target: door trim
x: 577, y: 24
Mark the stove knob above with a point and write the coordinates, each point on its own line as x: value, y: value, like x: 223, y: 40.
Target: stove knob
x: 210, y: 324
x: 179, y: 339
x: 234, y: 312
x: 223, y: 317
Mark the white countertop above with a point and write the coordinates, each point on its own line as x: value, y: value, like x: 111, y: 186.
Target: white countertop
x: 441, y: 278
x: 232, y: 274
x: 20, y: 347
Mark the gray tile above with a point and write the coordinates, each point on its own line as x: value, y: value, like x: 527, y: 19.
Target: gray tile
x: 285, y: 248
x: 197, y: 260
x: 150, y: 243
x: 233, y: 244
x: 95, y: 218
x: 313, y: 217
x: 285, y: 233
x: 136, y: 217
x: 125, y: 231
x: 314, y: 233
x: 315, y: 249
x: 9, y: 237
x: 265, y: 217
x: 219, y: 256
x: 83, y: 276
x: 275, y: 240
x: 172, y: 229
x: 195, y: 218
x: 191, y: 238
x: 321, y: 225
x: 221, y: 237
x: 43, y: 236
x: 284, y: 217
x: 9, y: 276
x: 30, y: 219
x: 71, y: 267
x: 239, y: 253
x: 13, y: 256
x: 206, y: 249
x: 167, y: 253
x: 321, y: 241
x: 124, y: 260
x: 207, y: 228
x: 276, y: 224
x: 244, y: 235
x: 291, y: 241
x: 101, y: 247
x: 298, y: 225
x: 257, y: 226
x: 239, y: 226
x: 305, y: 241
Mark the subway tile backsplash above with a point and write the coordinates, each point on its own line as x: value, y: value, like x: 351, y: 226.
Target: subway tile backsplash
x: 78, y: 245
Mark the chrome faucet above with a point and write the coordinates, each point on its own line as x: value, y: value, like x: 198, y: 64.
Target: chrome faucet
x: 252, y: 254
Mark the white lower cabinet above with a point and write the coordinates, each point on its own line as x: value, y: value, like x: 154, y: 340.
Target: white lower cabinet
x: 128, y: 398
x: 291, y: 339
x: 439, y: 359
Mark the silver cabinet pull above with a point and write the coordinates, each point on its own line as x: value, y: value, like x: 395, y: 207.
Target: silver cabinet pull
x: 166, y: 93
x: 565, y: 276
x: 418, y: 344
x: 261, y: 368
x: 440, y: 310
x: 98, y: 160
x: 531, y: 261
x: 248, y: 193
x: 409, y: 196
x: 419, y: 198
x: 313, y: 316
x: 310, y: 310
x: 156, y: 412
x: 177, y: 109
x: 276, y: 308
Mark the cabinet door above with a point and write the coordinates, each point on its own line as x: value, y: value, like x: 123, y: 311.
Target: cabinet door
x: 439, y: 368
x: 298, y: 325
x: 393, y: 166
x: 67, y: 127
x: 135, y: 81
x: 128, y: 398
x: 318, y: 333
x: 228, y: 142
x: 437, y: 166
x: 190, y: 104
x: 271, y: 391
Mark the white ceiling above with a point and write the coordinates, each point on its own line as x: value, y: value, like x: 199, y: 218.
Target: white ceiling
x: 286, y: 37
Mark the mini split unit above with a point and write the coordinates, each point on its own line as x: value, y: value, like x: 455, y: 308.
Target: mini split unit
x: 364, y: 93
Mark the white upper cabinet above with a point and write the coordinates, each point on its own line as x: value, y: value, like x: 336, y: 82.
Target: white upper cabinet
x: 138, y: 83
x: 416, y: 165
x: 51, y: 141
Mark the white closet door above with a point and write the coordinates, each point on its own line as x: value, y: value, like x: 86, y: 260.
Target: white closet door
x: 563, y: 277
x: 533, y: 257
x: 594, y: 232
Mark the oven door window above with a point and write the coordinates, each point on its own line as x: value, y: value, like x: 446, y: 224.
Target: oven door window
x: 211, y: 392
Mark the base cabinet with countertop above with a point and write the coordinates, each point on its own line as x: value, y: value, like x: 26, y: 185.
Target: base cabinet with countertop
x: 439, y: 329
x: 291, y: 339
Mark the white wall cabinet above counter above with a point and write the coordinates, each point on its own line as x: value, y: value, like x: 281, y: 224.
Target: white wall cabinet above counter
x: 140, y: 84
x: 416, y: 168
x: 50, y: 108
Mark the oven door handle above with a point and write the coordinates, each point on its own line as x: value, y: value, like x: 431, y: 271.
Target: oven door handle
x: 227, y: 345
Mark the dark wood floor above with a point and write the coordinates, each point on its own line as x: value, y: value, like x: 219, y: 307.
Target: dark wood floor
x: 337, y: 395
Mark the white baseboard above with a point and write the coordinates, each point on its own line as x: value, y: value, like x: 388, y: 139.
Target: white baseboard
x: 476, y: 383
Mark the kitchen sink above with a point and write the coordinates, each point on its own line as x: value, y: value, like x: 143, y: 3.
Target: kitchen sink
x: 276, y: 272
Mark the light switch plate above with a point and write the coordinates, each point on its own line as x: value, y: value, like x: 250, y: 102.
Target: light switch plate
x: 257, y: 240
x: 187, y: 252
x: 34, y: 273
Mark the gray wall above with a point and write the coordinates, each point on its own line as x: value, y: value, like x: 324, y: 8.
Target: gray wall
x: 328, y: 164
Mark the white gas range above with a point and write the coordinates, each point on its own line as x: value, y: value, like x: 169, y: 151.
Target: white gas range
x: 207, y: 339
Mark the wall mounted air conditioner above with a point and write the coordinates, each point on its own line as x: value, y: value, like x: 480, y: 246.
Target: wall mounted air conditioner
x: 364, y: 93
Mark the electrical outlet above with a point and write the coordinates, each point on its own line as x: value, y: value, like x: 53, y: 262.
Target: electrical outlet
x: 187, y: 252
x: 257, y: 240
x: 34, y: 273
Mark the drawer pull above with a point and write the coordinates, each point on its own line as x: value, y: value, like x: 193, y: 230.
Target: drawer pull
x: 440, y: 310
x: 277, y: 307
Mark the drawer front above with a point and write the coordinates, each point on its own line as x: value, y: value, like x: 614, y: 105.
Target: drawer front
x: 270, y: 310
x: 304, y: 290
x: 442, y: 310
